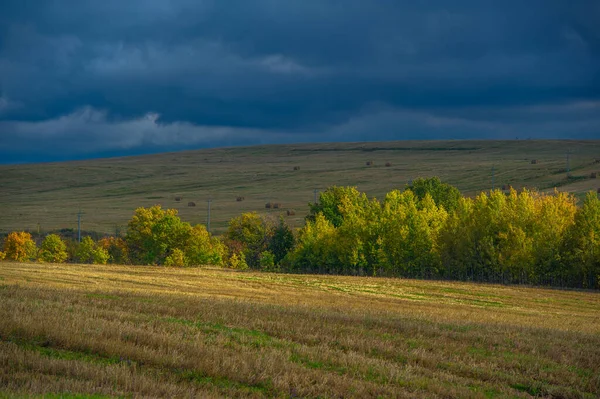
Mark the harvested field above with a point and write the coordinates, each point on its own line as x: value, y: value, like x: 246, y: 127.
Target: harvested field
x: 150, y: 331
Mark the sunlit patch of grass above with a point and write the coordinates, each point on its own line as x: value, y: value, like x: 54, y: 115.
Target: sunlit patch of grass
x: 133, y: 331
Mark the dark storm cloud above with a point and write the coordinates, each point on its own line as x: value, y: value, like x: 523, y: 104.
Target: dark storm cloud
x: 86, y: 78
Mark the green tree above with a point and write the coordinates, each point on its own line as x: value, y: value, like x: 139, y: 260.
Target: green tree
x: 153, y: 234
x: 89, y: 252
x: 53, y: 249
x: 583, y: 244
x: 204, y: 249
x: 267, y: 261
x: 443, y: 194
x: 409, y: 234
x: 250, y: 235
x: 357, y: 244
x: 331, y: 200
x: 281, y: 242
x: 315, y: 249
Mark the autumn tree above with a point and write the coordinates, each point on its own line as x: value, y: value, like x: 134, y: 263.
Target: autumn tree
x: 202, y: 248
x: 117, y: 250
x: 159, y: 237
x: 330, y: 203
x: 315, y: 249
x: 583, y: 244
x: 19, y: 247
x: 409, y: 234
x: 247, y: 236
x: 153, y: 233
x: 53, y: 249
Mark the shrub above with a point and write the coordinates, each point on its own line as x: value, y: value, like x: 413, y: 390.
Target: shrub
x: 238, y: 261
x: 19, y: 247
x: 54, y: 249
x: 266, y: 260
x: 176, y: 258
x: 116, y: 248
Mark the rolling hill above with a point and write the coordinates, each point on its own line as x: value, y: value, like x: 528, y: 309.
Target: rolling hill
x: 47, y: 196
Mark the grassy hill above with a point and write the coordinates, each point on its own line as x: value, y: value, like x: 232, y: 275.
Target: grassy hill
x: 108, y: 190
x: 162, y: 332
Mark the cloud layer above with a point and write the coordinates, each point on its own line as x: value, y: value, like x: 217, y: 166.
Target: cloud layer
x: 113, y: 77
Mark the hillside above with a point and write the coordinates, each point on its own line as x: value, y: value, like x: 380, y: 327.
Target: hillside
x: 108, y: 190
x: 148, y: 331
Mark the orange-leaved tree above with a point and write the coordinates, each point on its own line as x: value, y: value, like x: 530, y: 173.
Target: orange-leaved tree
x: 116, y: 248
x: 19, y: 246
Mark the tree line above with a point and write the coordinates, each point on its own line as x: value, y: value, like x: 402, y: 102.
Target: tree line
x: 428, y: 230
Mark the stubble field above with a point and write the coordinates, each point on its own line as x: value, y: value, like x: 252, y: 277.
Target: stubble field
x: 164, y: 332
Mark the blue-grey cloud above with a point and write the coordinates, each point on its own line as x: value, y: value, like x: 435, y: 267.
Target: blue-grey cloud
x: 182, y: 74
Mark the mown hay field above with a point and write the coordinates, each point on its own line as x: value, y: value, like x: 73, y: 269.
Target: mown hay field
x: 166, y: 332
x: 48, y: 196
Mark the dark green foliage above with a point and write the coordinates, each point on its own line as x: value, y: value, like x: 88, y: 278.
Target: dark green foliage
x: 442, y: 193
x: 282, y: 241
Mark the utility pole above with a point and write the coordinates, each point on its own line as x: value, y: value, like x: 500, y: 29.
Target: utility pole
x: 568, y: 166
x: 79, y: 225
x: 208, y: 222
x: 493, y: 182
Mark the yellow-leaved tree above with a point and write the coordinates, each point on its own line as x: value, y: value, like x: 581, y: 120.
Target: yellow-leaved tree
x: 583, y: 245
x: 53, y: 250
x: 157, y: 236
x: 409, y: 230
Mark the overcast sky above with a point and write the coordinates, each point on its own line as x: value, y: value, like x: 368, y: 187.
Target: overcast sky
x: 82, y: 79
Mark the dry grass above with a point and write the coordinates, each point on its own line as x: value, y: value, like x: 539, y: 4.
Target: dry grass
x: 145, y: 331
x: 109, y: 190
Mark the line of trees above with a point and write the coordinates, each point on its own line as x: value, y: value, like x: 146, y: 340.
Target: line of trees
x: 428, y: 230
x: 516, y: 237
